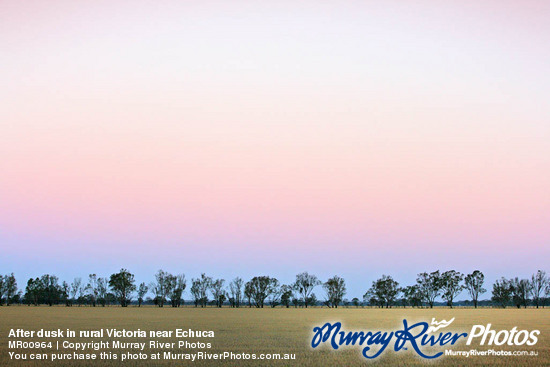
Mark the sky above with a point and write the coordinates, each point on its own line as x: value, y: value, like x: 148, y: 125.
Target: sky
x: 243, y: 138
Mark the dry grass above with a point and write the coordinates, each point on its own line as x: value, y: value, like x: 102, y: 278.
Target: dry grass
x: 279, y: 331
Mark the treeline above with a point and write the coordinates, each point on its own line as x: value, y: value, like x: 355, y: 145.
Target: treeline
x: 169, y: 289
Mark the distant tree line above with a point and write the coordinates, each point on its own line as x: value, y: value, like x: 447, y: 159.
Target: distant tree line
x: 168, y: 289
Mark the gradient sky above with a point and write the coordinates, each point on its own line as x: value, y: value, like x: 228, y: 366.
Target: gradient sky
x: 242, y: 138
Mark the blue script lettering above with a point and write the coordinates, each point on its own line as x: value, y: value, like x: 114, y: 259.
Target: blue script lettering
x: 415, y: 335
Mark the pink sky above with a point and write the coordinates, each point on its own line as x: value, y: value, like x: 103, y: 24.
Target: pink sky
x: 355, y: 138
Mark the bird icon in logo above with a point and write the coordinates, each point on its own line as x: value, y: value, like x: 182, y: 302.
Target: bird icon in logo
x: 439, y: 325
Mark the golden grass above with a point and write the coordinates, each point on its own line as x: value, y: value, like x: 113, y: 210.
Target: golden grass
x: 277, y: 331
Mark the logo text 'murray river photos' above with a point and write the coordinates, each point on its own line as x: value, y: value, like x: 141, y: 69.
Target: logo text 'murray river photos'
x: 416, y: 336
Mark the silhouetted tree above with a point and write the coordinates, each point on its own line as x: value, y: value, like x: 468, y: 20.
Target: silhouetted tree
x: 260, y: 288
x: 451, y: 285
x: 248, y: 293
x: 520, y: 291
x: 122, y: 285
x: 76, y: 290
x: 199, y: 289
x: 32, y: 291
x: 66, y: 290
x: 539, y: 283
x: 429, y: 286
x: 221, y: 299
x: 501, y: 292
x: 2, y: 288
x: 286, y: 295
x: 412, y: 295
x: 141, y: 292
x: 102, y: 285
x: 304, y: 284
x: 274, y: 293
x: 312, y: 300
x: 92, y: 288
x: 383, y: 292
x: 195, y: 291
x: 176, y: 287
x: 216, y: 288
x: 10, y: 286
x: 335, y: 288
x: 50, y: 289
x: 236, y: 293
x: 161, y: 287
x: 474, y: 285
x: 110, y: 298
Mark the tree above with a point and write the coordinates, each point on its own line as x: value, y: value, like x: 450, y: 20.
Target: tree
x: 451, y: 285
x: 260, y: 288
x: 76, y: 289
x: 216, y: 288
x: 199, y: 289
x: 81, y: 297
x: 335, y: 288
x: 312, y: 300
x: 141, y: 292
x: 2, y: 288
x: 65, y: 291
x: 383, y: 292
x: 520, y: 289
x: 275, y: 293
x: 102, y: 284
x: 474, y: 285
x: 176, y: 287
x: 304, y: 285
x: 429, y: 286
x: 286, y: 295
x: 161, y: 288
x: 110, y: 298
x: 501, y: 292
x: 122, y: 285
x: 10, y: 286
x: 221, y: 299
x: 355, y: 301
x: 370, y: 300
x: 32, y: 292
x: 92, y: 288
x: 539, y: 283
x: 412, y: 296
x: 236, y: 293
x: 195, y: 292
x: 50, y: 289
x: 248, y: 293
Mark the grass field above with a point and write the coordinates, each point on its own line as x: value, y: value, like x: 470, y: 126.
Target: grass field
x: 277, y: 331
